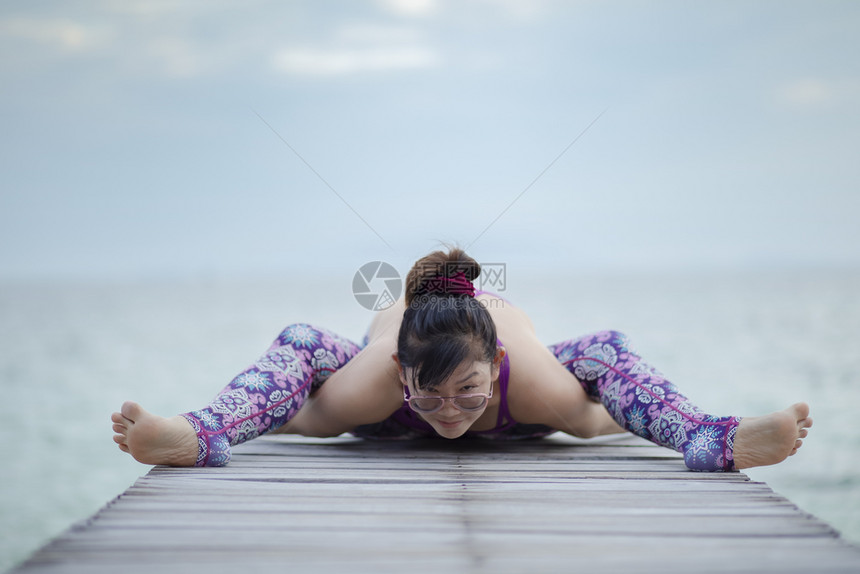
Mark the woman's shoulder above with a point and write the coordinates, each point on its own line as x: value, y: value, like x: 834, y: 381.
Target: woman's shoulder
x: 386, y: 323
x: 509, y: 319
x: 540, y: 389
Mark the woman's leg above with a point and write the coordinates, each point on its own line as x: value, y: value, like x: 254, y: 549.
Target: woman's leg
x: 270, y: 392
x: 643, y: 402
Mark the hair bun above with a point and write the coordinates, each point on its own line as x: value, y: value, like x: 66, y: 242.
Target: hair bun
x: 442, y: 273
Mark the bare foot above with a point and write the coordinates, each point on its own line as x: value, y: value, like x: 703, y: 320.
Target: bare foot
x: 152, y: 439
x: 770, y: 439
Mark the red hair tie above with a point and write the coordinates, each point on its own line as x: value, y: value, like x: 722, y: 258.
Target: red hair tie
x: 457, y: 284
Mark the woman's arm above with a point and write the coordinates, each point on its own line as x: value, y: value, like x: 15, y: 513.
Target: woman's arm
x: 365, y: 390
x: 543, y: 391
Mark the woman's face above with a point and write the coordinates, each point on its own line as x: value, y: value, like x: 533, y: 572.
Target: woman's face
x: 469, y: 377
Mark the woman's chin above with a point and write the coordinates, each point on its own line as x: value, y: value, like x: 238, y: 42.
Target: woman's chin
x: 449, y: 430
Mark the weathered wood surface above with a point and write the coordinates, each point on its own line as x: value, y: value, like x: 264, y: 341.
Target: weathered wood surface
x: 294, y: 504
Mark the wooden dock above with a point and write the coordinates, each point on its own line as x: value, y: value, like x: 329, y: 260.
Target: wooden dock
x: 292, y: 504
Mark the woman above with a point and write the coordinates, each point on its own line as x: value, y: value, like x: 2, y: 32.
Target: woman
x: 449, y: 361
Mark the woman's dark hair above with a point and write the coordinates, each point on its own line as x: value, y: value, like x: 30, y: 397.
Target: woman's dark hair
x: 441, y: 329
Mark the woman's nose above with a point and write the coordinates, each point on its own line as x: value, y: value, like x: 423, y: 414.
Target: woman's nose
x: 448, y: 408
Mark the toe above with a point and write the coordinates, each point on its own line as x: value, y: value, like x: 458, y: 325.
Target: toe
x: 119, y: 439
x: 120, y: 429
x: 131, y: 410
x: 119, y: 419
x: 801, y: 410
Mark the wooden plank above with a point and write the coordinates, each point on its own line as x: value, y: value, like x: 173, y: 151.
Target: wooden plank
x: 301, y: 523
x: 345, y: 505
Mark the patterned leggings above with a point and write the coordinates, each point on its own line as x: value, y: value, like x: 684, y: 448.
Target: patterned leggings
x: 272, y: 390
x: 642, y: 401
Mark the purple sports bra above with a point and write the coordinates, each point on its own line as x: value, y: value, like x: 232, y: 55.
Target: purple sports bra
x: 407, y: 417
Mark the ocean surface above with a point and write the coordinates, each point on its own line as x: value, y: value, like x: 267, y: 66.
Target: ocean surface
x: 71, y: 353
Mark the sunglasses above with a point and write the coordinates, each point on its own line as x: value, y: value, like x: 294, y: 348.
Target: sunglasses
x: 428, y: 405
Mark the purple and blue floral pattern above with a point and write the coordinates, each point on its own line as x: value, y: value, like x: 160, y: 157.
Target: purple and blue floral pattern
x: 270, y: 392
x: 642, y: 401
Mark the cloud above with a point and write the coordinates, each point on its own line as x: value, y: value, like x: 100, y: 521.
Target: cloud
x: 341, y: 61
x: 166, y: 39
x: 516, y: 10
x: 67, y: 35
x: 149, y: 8
x: 177, y: 57
x: 413, y: 8
x: 357, y: 47
x: 806, y: 92
x: 817, y: 93
x: 378, y: 34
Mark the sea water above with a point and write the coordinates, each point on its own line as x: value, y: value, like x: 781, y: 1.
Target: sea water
x: 70, y: 353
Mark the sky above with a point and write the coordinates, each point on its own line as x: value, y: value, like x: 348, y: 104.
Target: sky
x: 147, y: 139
